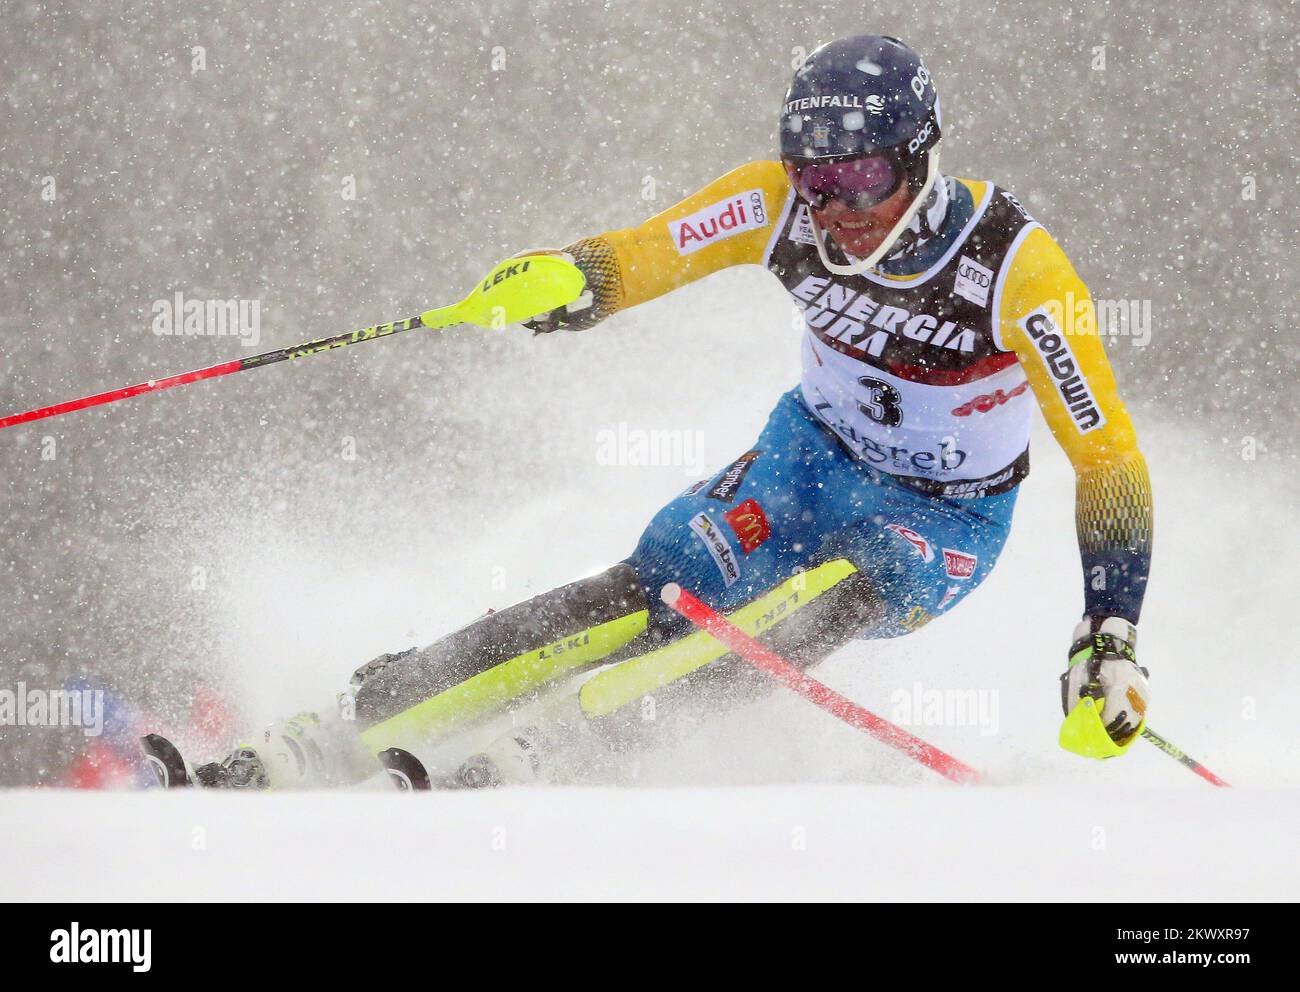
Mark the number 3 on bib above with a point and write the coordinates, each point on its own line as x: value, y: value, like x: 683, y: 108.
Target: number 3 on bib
x: 883, y: 404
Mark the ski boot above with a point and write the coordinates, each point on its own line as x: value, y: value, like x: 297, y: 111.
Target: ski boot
x: 513, y: 759
x: 242, y: 769
x: 509, y: 760
x: 310, y: 750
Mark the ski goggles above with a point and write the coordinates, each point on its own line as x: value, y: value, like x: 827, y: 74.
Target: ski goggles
x: 858, y: 183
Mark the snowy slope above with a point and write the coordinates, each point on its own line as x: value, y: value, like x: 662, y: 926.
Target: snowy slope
x: 787, y: 842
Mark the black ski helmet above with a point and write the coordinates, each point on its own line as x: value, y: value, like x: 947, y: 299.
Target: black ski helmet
x: 859, y: 95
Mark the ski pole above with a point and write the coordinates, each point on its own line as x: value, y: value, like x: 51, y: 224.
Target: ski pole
x: 515, y: 290
x: 802, y: 684
x: 1183, y: 758
x: 214, y: 371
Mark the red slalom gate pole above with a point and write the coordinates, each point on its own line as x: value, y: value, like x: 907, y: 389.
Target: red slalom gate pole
x: 708, y: 619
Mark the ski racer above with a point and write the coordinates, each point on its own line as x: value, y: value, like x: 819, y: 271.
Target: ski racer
x: 879, y: 494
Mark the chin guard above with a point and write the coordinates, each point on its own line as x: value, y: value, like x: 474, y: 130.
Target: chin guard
x: 863, y: 264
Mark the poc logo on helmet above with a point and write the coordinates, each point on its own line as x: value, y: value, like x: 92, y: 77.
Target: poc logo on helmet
x: 920, y: 139
x: 920, y: 81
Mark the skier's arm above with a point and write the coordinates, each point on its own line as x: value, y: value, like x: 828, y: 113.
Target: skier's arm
x: 728, y: 222
x: 1076, y: 390
x: 1104, y: 693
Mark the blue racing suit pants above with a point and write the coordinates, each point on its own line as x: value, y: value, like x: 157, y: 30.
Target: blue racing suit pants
x: 800, y: 497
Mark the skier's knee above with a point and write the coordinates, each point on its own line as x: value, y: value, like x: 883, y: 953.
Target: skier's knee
x: 803, y: 618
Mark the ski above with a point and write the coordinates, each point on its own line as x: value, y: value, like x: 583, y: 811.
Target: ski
x: 165, y: 759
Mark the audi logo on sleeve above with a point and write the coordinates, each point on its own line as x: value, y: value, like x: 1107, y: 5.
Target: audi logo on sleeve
x: 718, y: 221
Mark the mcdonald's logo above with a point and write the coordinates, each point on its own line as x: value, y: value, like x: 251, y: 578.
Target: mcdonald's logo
x: 750, y: 525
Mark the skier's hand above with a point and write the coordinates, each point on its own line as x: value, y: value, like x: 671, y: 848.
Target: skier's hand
x: 1104, y: 693
x: 577, y: 316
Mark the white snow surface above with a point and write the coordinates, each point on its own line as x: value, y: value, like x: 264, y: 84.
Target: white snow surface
x: 826, y: 842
